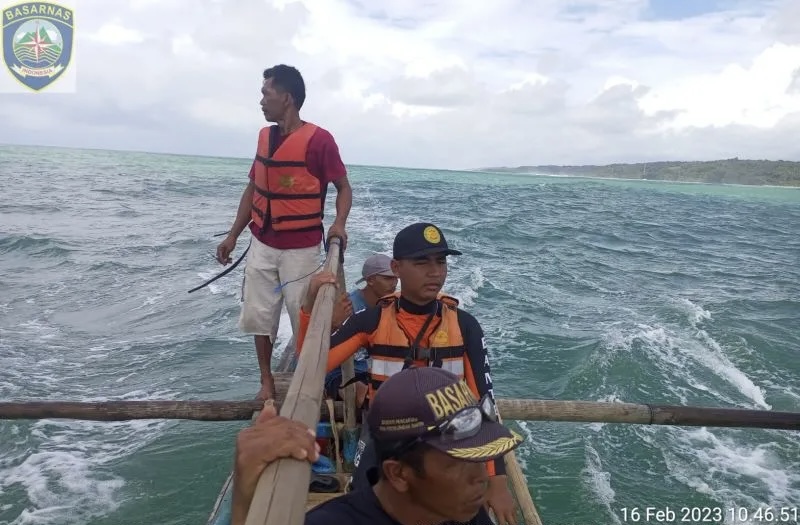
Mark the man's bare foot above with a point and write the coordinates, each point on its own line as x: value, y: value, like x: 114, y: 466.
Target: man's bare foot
x: 266, y: 393
x: 267, y: 389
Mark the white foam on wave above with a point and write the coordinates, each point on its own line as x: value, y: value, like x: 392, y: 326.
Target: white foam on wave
x: 69, y: 472
x: 41, y: 329
x: 466, y: 287
x: 226, y: 285
x: 716, y: 463
x: 476, y: 278
x: 151, y: 300
x: 716, y: 359
x: 64, y: 469
x: 679, y: 352
x: 17, y: 376
x: 713, y: 462
x: 598, y: 481
x: 679, y: 355
x: 378, y: 223
x: 60, y: 483
x: 523, y: 453
x: 695, y: 313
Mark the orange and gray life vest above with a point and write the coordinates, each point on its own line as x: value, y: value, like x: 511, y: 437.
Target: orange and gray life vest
x: 287, y: 196
x: 393, y: 349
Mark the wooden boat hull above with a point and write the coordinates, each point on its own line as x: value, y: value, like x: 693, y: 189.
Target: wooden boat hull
x: 221, y: 512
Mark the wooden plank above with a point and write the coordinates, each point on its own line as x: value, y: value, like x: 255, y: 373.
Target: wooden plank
x: 221, y: 512
x: 522, y: 493
x: 350, y: 431
x: 519, y: 487
x: 348, y: 371
x: 282, y: 491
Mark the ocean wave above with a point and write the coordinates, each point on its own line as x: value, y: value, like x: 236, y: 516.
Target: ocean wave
x: 36, y: 246
x: 621, y: 291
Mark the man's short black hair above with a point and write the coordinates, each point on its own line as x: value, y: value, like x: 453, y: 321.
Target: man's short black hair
x: 413, y: 456
x: 288, y: 79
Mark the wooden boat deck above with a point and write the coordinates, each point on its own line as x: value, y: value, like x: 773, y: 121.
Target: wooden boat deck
x: 315, y: 498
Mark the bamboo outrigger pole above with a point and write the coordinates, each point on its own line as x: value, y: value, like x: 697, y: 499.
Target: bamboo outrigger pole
x: 350, y: 433
x: 512, y: 409
x: 282, y: 490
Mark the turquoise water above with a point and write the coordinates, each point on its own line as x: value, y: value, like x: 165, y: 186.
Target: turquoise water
x: 587, y: 289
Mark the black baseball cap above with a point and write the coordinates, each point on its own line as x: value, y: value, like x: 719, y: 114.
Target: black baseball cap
x: 420, y: 240
x: 414, y: 403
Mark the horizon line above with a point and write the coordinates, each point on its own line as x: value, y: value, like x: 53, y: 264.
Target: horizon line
x: 473, y: 169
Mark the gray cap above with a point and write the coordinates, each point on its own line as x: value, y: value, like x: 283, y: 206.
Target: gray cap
x: 377, y: 264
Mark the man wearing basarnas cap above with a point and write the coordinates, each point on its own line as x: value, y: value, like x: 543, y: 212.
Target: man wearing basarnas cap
x: 417, y: 327
x: 380, y: 281
x: 432, y: 437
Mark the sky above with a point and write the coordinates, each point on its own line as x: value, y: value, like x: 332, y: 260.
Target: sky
x: 434, y: 83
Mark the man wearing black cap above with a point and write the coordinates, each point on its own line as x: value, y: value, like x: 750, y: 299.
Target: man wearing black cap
x: 419, y: 327
x: 432, y: 436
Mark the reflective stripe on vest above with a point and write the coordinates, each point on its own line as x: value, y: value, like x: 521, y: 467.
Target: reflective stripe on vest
x: 385, y: 368
x: 391, y: 345
x: 286, y: 196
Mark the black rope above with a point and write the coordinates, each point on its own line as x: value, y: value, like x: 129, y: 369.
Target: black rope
x: 223, y: 273
x: 279, y: 287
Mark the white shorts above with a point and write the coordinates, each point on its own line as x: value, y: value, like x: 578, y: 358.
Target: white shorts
x: 265, y: 269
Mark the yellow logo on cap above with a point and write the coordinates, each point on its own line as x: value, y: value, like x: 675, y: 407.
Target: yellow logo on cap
x: 431, y: 235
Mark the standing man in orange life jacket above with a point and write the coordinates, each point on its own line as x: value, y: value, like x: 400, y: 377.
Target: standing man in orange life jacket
x: 284, y: 204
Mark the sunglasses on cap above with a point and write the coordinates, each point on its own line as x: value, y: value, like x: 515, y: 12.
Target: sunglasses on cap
x: 464, y: 423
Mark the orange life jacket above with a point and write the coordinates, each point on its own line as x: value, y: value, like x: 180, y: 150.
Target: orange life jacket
x: 287, y: 196
x: 393, y: 349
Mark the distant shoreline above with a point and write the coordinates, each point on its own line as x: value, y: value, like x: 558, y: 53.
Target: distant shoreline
x: 767, y: 173
x: 779, y: 173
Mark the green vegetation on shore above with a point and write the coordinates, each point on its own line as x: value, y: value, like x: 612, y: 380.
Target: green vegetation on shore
x: 728, y: 171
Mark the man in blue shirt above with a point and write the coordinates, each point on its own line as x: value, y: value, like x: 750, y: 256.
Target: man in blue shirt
x: 380, y: 281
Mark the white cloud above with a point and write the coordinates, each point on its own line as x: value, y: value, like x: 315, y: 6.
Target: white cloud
x: 433, y: 84
x: 755, y: 94
x: 114, y: 34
